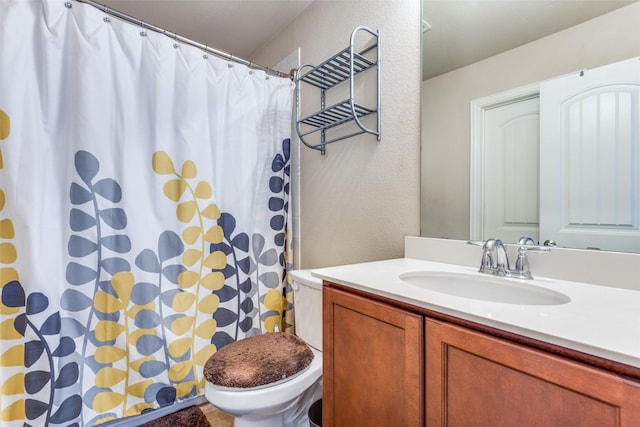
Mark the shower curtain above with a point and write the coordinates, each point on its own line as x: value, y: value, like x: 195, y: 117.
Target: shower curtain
x: 143, y: 213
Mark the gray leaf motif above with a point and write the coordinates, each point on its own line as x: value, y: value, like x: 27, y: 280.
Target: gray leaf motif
x: 79, y: 195
x: 73, y: 300
x: 169, y: 245
x: 109, y: 189
x: 79, y: 246
x: 87, y: 166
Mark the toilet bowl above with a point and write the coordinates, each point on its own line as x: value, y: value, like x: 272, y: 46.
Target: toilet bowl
x: 285, y: 402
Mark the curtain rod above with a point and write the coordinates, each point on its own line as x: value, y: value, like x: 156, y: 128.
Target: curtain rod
x: 184, y: 40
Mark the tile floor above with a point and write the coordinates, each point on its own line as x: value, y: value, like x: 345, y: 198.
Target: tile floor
x: 216, y: 417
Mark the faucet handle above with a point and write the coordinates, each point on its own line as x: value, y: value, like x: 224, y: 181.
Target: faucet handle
x: 486, y: 264
x: 526, y: 240
x: 521, y: 270
x: 474, y: 243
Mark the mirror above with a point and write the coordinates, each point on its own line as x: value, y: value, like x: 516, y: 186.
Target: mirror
x: 476, y: 49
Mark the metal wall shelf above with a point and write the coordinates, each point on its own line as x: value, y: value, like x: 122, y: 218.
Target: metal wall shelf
x: 341, y: 67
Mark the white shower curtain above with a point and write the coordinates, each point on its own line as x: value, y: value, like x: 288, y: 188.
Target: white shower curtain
x: 143, y: 213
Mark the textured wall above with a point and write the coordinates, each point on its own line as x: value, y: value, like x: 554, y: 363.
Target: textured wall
x: 361, y: 198
x: 446, y: 117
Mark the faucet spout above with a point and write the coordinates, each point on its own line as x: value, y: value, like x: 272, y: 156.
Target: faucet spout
x: 498, y: 264
x: 496, y: 261
x: 502, y: 260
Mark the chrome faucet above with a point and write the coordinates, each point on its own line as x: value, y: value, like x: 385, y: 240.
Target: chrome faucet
x: 499, y: 266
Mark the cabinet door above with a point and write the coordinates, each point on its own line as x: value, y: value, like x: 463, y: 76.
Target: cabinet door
x: 373, y: 363
x: 477, y: 380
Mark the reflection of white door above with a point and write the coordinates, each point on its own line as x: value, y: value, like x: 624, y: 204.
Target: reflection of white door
x: 590, y: 158
x: 510, y: 170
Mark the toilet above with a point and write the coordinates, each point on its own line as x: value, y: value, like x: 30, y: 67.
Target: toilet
x: 284, y: 402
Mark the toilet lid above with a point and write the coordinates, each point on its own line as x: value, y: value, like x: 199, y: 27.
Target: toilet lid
x: 258, y: 361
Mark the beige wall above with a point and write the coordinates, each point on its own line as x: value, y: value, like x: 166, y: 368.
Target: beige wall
x: 445, y: 99
x: 360, y: 199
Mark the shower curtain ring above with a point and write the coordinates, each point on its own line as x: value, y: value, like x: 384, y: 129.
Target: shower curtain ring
x: 143, y: 33
x: 105, y: 9
x: 175, y: 41
x: 206, y: 49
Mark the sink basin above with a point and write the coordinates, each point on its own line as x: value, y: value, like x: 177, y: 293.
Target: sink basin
x: 485, y: 288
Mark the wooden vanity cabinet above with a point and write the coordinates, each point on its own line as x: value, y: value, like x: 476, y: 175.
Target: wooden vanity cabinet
x: 473, y: 379
x: 395, y: 366
x: 372, y: 363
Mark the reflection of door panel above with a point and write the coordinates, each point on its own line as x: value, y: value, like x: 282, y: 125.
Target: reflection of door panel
x: 510, y: 171
x: 590, y: 158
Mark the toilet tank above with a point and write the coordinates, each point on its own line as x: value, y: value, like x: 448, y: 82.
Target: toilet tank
x: 307, y: 300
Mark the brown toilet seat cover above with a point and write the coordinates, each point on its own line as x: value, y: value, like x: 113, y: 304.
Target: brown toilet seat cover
x: 258, y: 360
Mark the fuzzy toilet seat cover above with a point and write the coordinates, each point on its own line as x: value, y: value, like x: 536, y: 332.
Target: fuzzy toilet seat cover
x: 257, y: 361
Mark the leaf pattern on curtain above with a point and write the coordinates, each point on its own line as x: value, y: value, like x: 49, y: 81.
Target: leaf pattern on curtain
x: 32, y: 337
x: 136, y: 331
x: 142, y: 191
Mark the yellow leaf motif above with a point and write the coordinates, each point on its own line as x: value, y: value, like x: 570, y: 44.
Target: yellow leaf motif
x: 8, y: 254
x: 1, y: 198
x: 209, y: 304
x: 14, y: 385
x: 201, y: 383
x: 135, y: 365
x: 8, y: 310
x: 180, y: 370
x: 138, y: 389
x: 13, y: 357
x: 107, y: 377
x: 187, y: 279
x: 108, y: 330
x: 212, y: 212
x: 174, y: 189
x: 7, y: 274
x: 189, y: 170
x: 214, y: 235
x: 138, y: 408
x: 186, y: 210
x: 8, y: 330
x: 206, y: 329
x: 6, y: 229
x: 15, y: 411
x: 179, y: 347
x: 135, y: 335
x: 204, y: 354
x: 203, y: 190
x: 191, y: 234
x: 270, y: 323
x: 191, y: 256
x: 216, y: 260
x: 213, y: 281
x: 107, y: 354
x: 106, y: 303
x: 133, y: 311
x: 183, y: 301
x: 106, y: 401
x: 182, y: 325
x: 183, y: 389
x: 274, y: 300
x: 106, y: 419
x: 162, y: 164
x: 5, y: 125
x: 123, y: 282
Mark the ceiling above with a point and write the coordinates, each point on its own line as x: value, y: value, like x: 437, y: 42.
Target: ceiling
x: 238, y: 27
x: 462, y: 31
x: 466, y: 31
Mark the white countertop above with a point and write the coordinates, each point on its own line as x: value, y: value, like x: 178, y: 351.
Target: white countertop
x: 599, y: 320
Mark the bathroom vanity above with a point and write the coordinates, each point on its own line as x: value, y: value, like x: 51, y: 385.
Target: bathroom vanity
x: 398, y: 354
